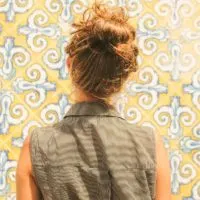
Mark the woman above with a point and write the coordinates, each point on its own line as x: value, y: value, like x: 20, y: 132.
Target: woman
x: 94, y: 153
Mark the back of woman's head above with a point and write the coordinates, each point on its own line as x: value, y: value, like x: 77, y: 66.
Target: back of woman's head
x: 102, y: 50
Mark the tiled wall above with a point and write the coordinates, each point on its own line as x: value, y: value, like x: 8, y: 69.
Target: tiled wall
x: 165, y: 94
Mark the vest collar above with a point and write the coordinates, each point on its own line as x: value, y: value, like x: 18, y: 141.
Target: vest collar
x: 91, y: 108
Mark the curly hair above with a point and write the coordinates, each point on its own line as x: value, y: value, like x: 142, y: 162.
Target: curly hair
x: 103, y: 50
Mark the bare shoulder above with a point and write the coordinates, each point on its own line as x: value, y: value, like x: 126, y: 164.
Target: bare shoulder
x: 25, y: 184
x: 163, y: 183
x: 24, y: 162
x: 161, y: 152
x: 24, y: 165
x: 27, y: 141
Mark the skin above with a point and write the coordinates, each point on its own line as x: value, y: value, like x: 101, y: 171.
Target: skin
x: 26, y: 188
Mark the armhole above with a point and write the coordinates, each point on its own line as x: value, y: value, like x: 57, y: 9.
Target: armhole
x: 151, y: 132
x: 33, y: 148
x: 155, y: 140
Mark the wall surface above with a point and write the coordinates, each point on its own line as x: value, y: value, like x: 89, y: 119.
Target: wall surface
x: 35, y: 87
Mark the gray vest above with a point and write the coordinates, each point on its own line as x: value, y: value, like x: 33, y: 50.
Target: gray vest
x: 94, y: 154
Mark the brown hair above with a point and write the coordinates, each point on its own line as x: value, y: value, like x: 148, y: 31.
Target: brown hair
x: 103, y: 51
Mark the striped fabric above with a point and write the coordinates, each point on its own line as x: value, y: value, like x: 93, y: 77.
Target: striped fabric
x: 94, y: 154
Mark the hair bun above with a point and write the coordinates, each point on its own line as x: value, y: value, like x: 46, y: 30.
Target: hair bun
x: 107, y: 27
x: 100, y: 46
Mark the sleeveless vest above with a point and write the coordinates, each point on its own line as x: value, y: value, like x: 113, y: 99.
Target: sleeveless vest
x: 94, y: 154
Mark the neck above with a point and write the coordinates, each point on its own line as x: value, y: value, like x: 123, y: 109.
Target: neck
x: 79, y: 96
